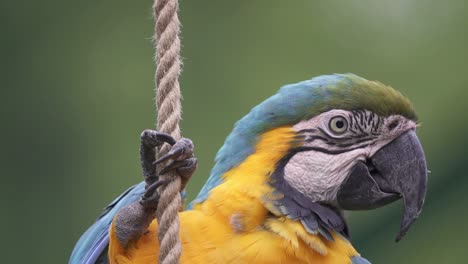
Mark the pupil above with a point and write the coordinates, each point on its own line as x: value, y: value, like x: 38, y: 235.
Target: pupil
x: 339, y: 124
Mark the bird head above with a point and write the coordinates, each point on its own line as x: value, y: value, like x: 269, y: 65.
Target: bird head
x: 355, y: 148
x: 356, y: 160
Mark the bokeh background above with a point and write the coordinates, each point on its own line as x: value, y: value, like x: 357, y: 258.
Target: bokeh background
x: 77, y: 90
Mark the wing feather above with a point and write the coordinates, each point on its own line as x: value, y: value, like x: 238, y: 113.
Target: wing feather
x: 91, y: 248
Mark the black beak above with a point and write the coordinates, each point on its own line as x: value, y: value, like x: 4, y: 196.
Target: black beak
x: 395, y: 171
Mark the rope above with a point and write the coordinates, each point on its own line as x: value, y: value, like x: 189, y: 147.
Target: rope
x: 168, y: 97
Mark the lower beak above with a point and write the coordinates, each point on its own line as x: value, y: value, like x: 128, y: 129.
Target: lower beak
x: 398, y: 170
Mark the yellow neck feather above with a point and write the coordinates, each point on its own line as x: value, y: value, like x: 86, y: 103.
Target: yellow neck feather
x: 245, y: 186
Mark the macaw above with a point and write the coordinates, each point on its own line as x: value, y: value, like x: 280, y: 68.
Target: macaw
x: 280, y: 182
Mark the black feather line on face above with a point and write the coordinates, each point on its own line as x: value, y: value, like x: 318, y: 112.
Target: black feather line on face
x: 361, y: 115
x: 316, y: 217
x: 313, y: 138
x: 340, y: 145
x: 351, y: 120
x: 370, y: 119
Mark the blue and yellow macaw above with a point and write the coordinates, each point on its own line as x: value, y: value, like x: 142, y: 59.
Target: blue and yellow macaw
x: 281, y: 180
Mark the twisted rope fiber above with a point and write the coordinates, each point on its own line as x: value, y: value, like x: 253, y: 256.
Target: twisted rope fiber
x: 168, y: 97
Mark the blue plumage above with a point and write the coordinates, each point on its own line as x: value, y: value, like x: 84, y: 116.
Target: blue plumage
x: 95, y: 240
x: 359, y: 260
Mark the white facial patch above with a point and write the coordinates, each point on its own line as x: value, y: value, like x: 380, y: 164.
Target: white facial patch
x: 318, y: 175
x: 320, y: 170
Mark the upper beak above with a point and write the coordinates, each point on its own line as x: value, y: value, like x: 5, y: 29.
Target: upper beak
x: 398, y: 170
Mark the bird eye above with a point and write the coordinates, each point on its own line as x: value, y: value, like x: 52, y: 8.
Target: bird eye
x: 338, y: 124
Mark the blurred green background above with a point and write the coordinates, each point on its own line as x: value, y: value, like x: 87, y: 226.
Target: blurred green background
x: 77, y: 90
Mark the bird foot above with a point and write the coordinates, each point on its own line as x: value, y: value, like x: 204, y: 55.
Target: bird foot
x: 180, y: 159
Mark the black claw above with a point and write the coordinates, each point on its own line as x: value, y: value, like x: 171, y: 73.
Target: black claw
x: 189, y: 164
x: 155, y: 138
x: 171, y: 155
x: 150, y: 202
x: 182, y: 150
x: 150, y: 198
x: 166, y: 138
x: 152, y: 188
